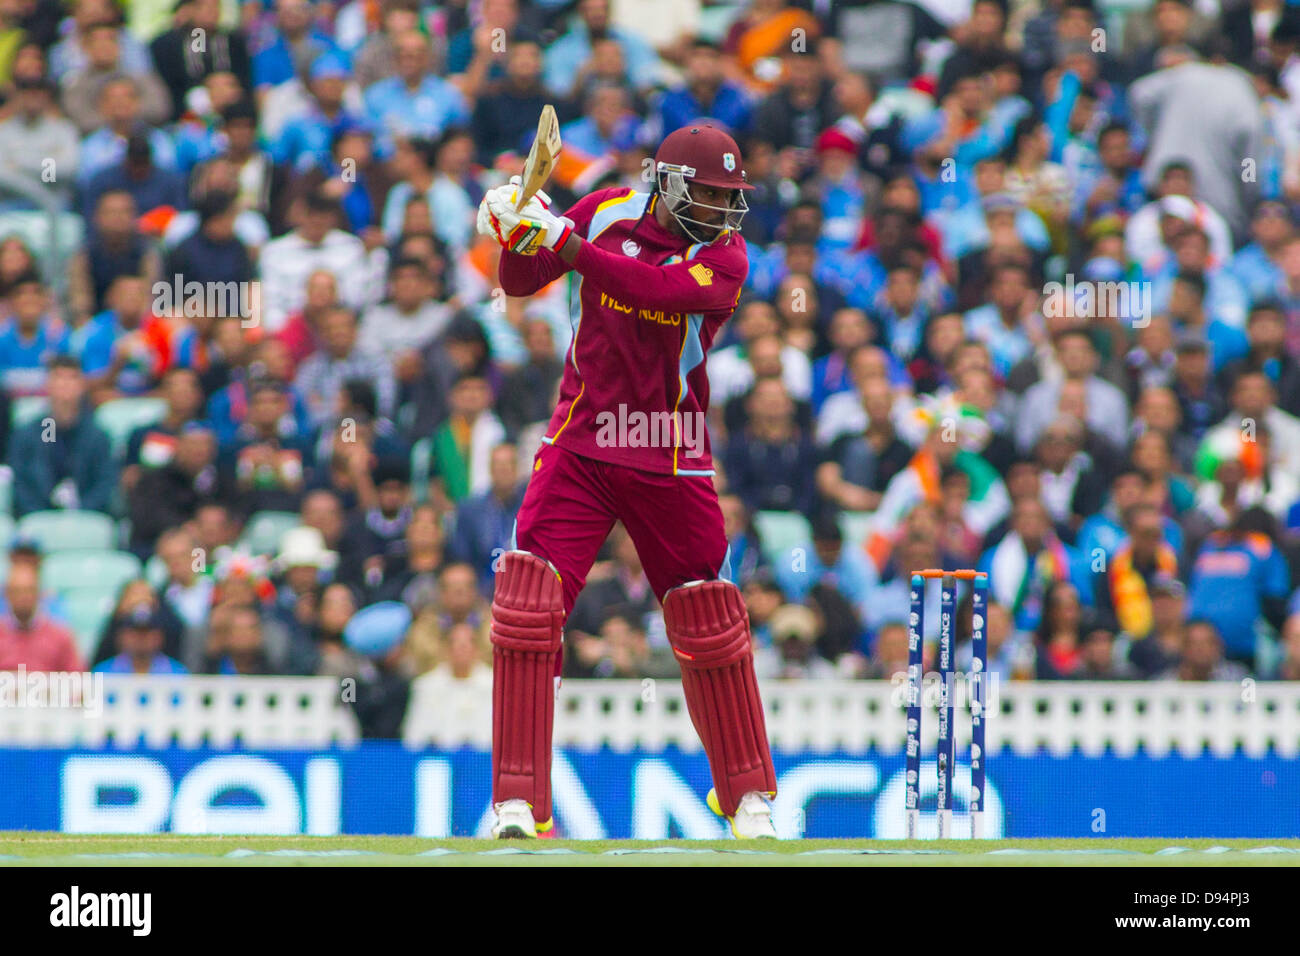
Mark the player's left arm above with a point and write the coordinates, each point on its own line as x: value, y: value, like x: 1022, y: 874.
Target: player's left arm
x: 709, y: 281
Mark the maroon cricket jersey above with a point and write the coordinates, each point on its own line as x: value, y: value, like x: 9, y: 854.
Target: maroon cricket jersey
x: 635, y: 390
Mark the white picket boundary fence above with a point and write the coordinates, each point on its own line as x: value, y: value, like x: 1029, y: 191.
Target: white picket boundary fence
x: 184, y: 711
x: 815, y: 716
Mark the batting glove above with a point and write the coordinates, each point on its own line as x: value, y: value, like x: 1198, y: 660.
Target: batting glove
x: 526, y: 230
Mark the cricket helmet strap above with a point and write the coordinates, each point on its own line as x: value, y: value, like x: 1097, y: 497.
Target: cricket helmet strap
x: 708, y: 156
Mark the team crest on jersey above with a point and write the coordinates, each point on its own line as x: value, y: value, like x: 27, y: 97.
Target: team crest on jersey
x: 702, y: 274
x: 729, y: 162
x: 631, y: 248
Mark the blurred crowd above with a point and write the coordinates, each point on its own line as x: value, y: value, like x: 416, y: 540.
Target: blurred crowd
x: 1024, y: 296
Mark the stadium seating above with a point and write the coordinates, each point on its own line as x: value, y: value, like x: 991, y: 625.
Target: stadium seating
x: 780, y: 531
x: 121, y: 416
x: 69, y: 530
x: 264, y: 530
x: 156, y: 571
x: 88, y: 611
x: 855, y: 525
x: 67, y: 571
x: 26, y: 409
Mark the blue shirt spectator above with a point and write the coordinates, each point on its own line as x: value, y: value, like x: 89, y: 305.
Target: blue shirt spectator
x: 1237, y: 578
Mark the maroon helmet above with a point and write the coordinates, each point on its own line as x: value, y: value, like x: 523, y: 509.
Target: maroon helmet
x: 708, y: 156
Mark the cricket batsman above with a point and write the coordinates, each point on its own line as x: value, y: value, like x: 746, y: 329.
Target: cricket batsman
x: 658, y: 274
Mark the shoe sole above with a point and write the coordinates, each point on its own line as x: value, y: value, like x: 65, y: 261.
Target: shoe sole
x: 514, y: 833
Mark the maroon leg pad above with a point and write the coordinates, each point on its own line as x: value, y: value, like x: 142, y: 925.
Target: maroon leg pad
x: 709, y: 630
x: 527, y: 623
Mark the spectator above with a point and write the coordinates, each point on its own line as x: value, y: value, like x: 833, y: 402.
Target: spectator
x: 153, y: 446
x: 300, y: 334
x: 81, y: 88
x: 1266, y: 337
x: 315, y: 244
x: 857, y: 468
x: 183, y: 68
x: 571, y: 56
x: 793, y: 654
x: 270, y: 457
x: 769, y: 465
x: 802, y: 105
x: 375, y: 59
x: 484, y: 522
x: 171, y: 494
x: 294, y: 45
x: 828, y: 562
x: 889, y: 658
x: 114, y: 247
x: 1061, y: 634
x: 37, y: 140
x: 462, y: 445
x: 1106, y: 408
x: 1220, y: 105
x: 103, y: 150
x: 29, y: 638
x: 618, y: 651
x: 747, y: 558
x: 1161, y: 648
x: 305, y: 566
x: 399, y: 328
x: 620, y: 584
x: 236, y: 644
x: 463, y: 660
x: 525, y: 394
x: 27, y: 550
x: 342, y: 358
x: 503, y: 115
x: 410, y: 572
x: 706, y: 92
x: 140, y: 642
x: 375, y: 534
x: 1123, y: 588
x: 1201, y: 657
x: 458, y: 601
x: 415, y: 101
x: 1028, y: 561
x: 187, y: 591
x: 335, y: 607
x: 266, y: 362
x: 62, y: 460
x: 31, y: 338
x: 1238, y: 577
x: 608, y: 124
x: 214, y: 255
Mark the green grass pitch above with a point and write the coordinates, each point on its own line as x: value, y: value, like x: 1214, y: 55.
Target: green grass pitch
x: 45, y: 849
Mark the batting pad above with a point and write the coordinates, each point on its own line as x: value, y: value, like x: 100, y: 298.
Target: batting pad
x: 527, y: 623
x: 708, y: 627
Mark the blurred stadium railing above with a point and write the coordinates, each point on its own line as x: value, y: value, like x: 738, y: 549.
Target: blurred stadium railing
x: 1156, y: 719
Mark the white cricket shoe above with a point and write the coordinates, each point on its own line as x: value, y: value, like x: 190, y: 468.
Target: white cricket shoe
x: 753, y: 819
x: 514, y: 821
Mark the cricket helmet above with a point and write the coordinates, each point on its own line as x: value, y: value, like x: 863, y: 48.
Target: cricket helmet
x: 708, y: 156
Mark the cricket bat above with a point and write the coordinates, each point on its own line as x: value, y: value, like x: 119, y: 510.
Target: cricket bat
x: 542, y: 156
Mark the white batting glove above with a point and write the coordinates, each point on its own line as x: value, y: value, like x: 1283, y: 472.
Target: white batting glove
x: 526, y: 230
x: 484, y: 224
